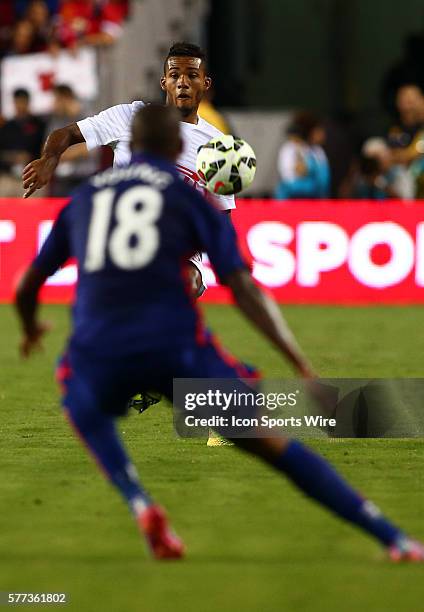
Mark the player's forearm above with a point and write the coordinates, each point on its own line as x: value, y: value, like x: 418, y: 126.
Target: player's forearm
x: 75, y: 152
x: 267, y: 318
x: 26, y: 299
x: 60, y: 140
x: 26, y: 307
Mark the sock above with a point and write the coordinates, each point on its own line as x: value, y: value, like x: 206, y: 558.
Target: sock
x: 315, y: 477
x: 98, y: 432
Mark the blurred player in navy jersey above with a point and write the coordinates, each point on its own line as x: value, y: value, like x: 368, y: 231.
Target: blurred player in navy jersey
x: 135, y: 324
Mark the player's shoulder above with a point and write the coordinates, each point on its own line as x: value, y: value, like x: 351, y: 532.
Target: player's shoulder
x: 194, y: 203
x: 208, y: 129
x: 136, y: 105
x: 188, y: 194
x: 80, y: 193
x: 122, y: 111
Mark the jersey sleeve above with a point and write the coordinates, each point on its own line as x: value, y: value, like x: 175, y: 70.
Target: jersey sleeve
x: 215, y: 235
x: 56, y: 249
x: 108, y: 126
x: 223, y: 202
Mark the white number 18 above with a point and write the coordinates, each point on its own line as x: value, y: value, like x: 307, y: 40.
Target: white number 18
x: 134, y: 240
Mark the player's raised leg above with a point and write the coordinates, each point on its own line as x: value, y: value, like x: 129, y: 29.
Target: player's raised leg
x: 313, y: 475
x: 309, y: 471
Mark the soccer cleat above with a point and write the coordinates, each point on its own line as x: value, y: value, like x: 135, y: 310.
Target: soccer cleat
x: 406, y: 549
x: 162, y: 541
x: 217, y: 440
x: 142, y: 401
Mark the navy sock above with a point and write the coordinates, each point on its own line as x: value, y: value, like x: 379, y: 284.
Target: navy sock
x: 99, y: 434
x: 315, y: 476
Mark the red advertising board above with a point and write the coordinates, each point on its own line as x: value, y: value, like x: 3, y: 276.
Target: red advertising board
x: 24, y: 225
x: 322, y: 252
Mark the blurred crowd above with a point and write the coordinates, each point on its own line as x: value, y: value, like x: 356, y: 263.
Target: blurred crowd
x: 21, y: 140
x: 384, y: 167
x: 314, y: 161
x: 34, y: 26
x: 31, y: 26
x: 318, y: 161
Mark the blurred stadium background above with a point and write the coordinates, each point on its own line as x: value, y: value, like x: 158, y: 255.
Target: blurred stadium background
x: 328, y: 93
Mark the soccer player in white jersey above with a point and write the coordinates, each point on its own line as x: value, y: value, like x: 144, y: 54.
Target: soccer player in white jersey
x: 185, y: 81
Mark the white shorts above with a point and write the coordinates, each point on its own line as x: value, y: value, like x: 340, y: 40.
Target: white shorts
x: 197, y: 261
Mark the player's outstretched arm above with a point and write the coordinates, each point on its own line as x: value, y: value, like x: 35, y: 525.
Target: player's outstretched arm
x: 39, y: 172
x: 267, y: 318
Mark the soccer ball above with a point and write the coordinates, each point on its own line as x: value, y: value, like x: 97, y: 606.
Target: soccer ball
x: 226, y: 165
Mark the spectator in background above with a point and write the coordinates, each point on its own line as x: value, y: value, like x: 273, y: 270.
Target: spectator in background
x: 410, y: 110
x: 21, y: 6
x: 408, y: 69
x: 27, y: 30
x: 20, y: 142
x: 406, y: 137
x: 7, y: 19
x: 22, y: 38
x: 76, y: 163
x: 369, y: 183
x: 302, y: 163
x: 38, y: 15
x: 394, y: 179
x: 90, y: 22
x: 376, y: 176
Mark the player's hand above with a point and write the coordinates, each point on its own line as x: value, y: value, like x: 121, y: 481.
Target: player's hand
x: 32, y: 339
x: 37, y: 174
x: 324, y: 394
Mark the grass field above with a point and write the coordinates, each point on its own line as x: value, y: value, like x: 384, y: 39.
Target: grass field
x: 254, y: 544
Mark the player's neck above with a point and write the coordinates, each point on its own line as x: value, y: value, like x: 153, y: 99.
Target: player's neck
x: 193, y: 119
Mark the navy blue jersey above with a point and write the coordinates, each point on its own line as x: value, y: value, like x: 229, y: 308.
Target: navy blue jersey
x: 132, y: 230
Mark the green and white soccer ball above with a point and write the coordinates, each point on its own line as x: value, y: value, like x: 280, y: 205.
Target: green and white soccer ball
x: 226, y: 164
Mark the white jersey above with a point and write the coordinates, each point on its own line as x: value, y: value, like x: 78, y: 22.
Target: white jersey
x: 113, y: 127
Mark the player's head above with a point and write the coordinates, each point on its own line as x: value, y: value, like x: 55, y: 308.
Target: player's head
x: 185, y: 78
x: 156, y: 130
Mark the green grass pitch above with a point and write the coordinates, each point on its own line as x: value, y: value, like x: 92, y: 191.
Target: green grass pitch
x: 254, y: 543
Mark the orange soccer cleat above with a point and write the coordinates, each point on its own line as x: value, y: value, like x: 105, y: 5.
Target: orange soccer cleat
x: 406, y: 550
x: 162, y: 541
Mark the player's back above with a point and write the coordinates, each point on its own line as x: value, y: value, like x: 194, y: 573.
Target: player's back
x: 130, y: 232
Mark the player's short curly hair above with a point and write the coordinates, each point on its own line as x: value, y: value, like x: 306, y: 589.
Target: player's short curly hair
x: 185, y: 49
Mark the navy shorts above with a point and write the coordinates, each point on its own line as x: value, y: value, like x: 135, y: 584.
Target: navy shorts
x: 107, y: 383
